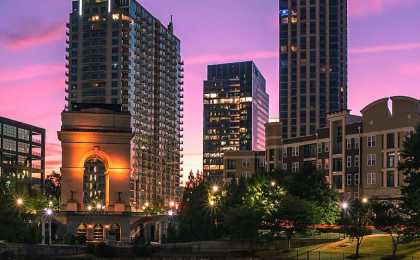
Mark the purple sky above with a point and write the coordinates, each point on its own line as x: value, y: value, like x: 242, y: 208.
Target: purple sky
x: 384, y: 55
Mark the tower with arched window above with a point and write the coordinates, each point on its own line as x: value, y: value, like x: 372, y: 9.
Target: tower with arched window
x: 95, y: 160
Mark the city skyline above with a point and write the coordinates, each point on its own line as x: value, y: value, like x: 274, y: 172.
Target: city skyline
x: 34, y: 57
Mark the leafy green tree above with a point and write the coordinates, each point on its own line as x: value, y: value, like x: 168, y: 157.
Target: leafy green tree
x: 309, y: 184
x: 356, y: 220
x: 410, y: 166
x: 294, y: 215
x: 390, y: 218
x: 198, y: 218
x: 16, y: 225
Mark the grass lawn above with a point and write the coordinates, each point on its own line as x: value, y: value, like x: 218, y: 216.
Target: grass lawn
x: 379, y: 245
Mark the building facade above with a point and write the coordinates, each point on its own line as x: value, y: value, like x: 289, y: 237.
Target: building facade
x: 118, y: 53
x: 359, y: 155
x: 22, y: 155
x: 313, y: 63
x: 243, y: 164
x: 235, y: 110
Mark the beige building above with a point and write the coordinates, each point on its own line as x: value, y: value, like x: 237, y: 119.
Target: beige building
x: 359, y: 154
x: 243, y: 164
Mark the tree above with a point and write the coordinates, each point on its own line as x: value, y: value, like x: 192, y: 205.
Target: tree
x: 198, y: 218
x: 356, y: 220
x: 53, y: 185
x: 309, y: 184
x: 389, y: 218
x: 242, y: 223
x: 410, y: 166
x: 295, y: 215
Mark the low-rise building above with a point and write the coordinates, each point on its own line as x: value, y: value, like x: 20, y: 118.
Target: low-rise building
x: 22, y: 155
x: 359, y: 154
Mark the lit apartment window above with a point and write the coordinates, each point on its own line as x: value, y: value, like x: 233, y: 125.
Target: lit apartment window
x: 371, y: 141
x: 371, y: 178
x: 371, y: 160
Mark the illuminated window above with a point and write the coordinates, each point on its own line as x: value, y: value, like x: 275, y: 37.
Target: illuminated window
x: 94, y: 182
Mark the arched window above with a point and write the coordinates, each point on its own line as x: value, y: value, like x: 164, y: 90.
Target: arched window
x: 94, y: 182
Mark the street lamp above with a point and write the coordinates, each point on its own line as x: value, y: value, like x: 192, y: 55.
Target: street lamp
x: 98, y: 206
x: 215, y: 188
x: 211, y: 203
x: 89, y: 208
x: 365, y: 200
x: 170, y: 213
x: 19, y: 202
x: 172, y: 204
x: 344, y: 205
x: 273, y: 183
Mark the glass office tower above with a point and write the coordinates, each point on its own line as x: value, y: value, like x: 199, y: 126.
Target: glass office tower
x: 313, y: 63
x: 235, y: 111
x: 118, y: 53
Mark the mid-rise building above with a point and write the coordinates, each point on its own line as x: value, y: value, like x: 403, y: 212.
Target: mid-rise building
x: 359, y: 154
x: 120, y: 54
x: 313, y: 63
x: 22, y: 155
x: 235, y: 110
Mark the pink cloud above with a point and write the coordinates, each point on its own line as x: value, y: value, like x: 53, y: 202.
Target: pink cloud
x: 361, y: 8
x: 33, y: 37
x: 220, y: 58
x: 410, y: 69
x: 31, y: 71
x: 385, y: 48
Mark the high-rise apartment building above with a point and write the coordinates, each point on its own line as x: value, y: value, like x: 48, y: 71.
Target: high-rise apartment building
x: 313, y: 63
x: 118, y: 53
x: 235, y: 110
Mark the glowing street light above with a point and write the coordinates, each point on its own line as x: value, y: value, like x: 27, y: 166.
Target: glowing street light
x: 344, y: 205
x: 50, y: 203
x: 215, y: 188
x: 98, y: 206
x: 49, y: 212
x: 89, y: 208
x: 273, y: 183
x: 172, y: 204
x: 146, y: 204
x: 365, y: 200
x: 211, y: 203
x: 170, y: 213
x: 19, y: 202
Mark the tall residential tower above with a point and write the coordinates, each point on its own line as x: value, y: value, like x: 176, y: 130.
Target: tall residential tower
x: 313, y: 63
x: 118, y: 53
x: 235, y: 111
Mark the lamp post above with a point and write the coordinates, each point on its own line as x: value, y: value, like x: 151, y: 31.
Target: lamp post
x: 215, y: 188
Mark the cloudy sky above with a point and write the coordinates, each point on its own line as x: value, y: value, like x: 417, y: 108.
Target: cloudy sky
x: 384, y: 55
